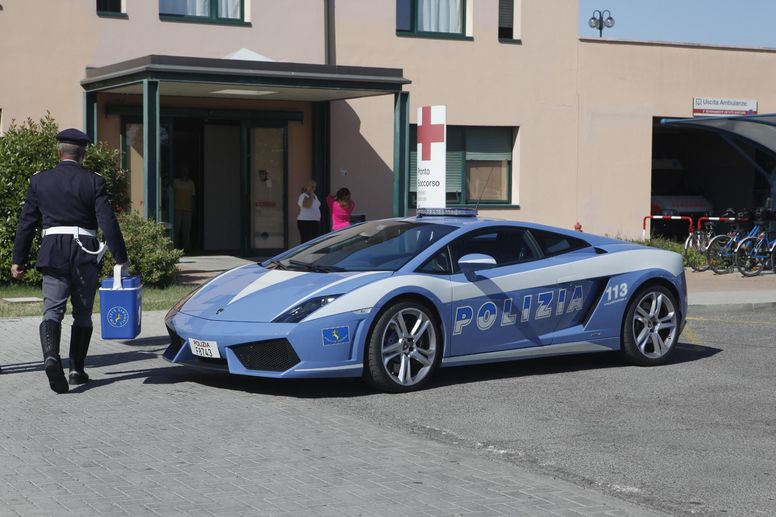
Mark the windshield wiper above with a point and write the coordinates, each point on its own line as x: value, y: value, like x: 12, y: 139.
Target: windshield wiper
x: 277, y: 264
x: 318, y: 268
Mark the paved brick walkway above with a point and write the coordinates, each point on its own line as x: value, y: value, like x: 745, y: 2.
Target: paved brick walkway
x: 148, y: 438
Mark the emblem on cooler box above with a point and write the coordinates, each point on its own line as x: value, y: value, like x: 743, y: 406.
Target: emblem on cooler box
x: 118, y: 317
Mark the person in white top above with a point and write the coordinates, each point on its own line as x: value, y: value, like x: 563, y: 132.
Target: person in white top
x: 309, y: 219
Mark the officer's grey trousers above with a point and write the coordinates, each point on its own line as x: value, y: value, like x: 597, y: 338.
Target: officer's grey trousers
x: 79, y: 285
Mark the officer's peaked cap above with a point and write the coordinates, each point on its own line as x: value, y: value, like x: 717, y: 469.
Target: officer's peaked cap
x: 73, y: 136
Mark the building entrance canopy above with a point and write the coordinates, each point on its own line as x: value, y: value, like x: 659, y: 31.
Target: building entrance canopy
x: 239, y: 79
x: 760, y: 130
x: 153, y: 76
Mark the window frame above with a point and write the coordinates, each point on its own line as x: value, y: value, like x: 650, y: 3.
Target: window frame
x: 413, y: 32
x: 212, y: 18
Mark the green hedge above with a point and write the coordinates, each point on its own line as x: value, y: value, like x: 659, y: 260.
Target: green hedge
x: 151, y: 252
x: 30, y: 147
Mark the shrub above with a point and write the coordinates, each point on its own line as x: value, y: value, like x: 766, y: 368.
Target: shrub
x: 31, y: 147
x: 691, y: 256
x: 151, y: 252
x: 24, y: 150
x: 665, y: 244
x: 105, y: 161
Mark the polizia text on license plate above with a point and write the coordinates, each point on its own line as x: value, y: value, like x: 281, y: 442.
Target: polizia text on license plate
x: 204, y: 348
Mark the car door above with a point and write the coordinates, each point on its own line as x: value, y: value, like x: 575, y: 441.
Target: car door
x: 507, y: 306
x: 576, y: 292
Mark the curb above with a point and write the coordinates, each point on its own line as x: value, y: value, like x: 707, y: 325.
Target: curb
x: 733, y: 307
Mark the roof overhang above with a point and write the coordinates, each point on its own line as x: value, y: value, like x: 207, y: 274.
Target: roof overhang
x: 240, y: 79
x: 759, y: 129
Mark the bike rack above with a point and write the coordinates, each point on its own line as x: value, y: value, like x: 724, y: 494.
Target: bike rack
x: 674, y: 217
x: 702, y: 219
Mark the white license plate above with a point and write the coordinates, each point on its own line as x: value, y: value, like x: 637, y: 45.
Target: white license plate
x: 204, y: 348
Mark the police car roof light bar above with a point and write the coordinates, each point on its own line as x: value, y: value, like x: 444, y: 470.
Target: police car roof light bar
x: 447, y: 212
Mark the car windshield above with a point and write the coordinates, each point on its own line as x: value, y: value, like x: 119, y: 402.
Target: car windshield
x: 376, y: 245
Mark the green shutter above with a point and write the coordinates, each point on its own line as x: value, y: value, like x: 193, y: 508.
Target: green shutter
x: 455, y: 163
x: 488, y: 143
x: 413, y: 183
x: 505, y: 13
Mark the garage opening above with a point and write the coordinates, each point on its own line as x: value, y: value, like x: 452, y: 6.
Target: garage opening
x: 697, y: 172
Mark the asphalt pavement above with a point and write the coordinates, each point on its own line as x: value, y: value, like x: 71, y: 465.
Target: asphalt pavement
x: 148, y: 438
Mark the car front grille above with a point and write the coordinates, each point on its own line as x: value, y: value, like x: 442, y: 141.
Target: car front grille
x: 276, y: 355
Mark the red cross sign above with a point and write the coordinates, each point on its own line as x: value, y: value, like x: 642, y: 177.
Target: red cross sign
x: 429, y: 133
x: 430, y: 174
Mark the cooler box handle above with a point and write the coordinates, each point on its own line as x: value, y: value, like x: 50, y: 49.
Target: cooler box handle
x: 117, y: 277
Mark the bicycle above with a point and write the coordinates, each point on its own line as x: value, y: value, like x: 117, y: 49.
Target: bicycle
x: 721, y: 251
x: 695, y: 247
x: 697, y: 242
x: 755, y: 253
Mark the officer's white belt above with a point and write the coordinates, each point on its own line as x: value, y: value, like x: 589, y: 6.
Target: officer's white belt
x: 69, y: 230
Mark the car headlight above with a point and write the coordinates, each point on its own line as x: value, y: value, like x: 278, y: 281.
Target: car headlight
x: 304, y: 309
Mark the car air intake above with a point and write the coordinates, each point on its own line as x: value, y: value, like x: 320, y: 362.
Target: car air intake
x: 176, y: 342
x: 276, y: 355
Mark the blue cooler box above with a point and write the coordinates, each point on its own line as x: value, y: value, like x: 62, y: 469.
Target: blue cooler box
x: 120, y: 306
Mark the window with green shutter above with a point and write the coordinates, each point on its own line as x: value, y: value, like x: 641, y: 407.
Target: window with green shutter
x: 506, y: 16
x: 112, y: 8
x: 479, y: 165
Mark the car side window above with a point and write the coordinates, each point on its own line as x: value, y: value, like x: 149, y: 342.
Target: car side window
x: 506, y: 245
x: 552, y: 244
x: 439, y: 264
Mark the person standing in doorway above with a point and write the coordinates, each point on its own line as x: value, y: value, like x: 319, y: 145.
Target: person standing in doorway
x: 71, y: 201
x: 185, y: 191
x: 309, y: 219
x: 340, y: 206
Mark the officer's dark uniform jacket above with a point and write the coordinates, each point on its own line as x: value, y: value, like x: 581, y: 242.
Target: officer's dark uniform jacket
x: 67, y: 195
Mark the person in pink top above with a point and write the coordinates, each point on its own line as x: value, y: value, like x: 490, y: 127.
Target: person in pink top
x: 340, y: 207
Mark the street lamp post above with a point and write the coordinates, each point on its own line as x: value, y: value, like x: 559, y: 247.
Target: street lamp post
x: 601, y: 19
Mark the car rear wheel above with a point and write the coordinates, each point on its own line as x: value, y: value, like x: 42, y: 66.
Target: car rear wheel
x: 650, y: 329
x: 404, y: 348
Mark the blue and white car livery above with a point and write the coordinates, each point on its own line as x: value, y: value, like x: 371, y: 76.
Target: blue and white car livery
x: 395, y: 299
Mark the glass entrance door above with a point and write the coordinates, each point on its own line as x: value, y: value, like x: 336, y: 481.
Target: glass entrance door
x: 267, y: 180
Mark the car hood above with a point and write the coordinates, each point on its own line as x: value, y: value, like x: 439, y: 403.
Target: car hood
x: 256, y: 294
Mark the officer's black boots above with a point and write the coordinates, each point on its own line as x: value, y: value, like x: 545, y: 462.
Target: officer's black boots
x: 79, y: 346
x: 50, y: 332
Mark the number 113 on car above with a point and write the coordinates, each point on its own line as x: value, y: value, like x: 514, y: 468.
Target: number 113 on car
x: 204, y: 348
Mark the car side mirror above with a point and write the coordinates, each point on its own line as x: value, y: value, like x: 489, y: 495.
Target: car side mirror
x: 473, y: 262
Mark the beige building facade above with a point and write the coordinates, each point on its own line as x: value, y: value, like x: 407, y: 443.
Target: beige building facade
x: 254, y: 97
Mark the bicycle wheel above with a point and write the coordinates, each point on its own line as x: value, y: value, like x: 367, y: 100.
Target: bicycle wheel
x: 750, y: 256
x: 695, y: 251
x: 720, y: 254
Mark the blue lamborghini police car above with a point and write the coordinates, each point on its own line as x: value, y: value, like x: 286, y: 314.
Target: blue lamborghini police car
x: 395, y: 299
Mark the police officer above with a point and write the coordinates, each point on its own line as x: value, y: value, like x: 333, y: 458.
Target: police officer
x: 71, y: 201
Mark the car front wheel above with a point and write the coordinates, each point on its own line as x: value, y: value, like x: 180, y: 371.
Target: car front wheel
x: 650, y: 329
x: 404, y: 348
